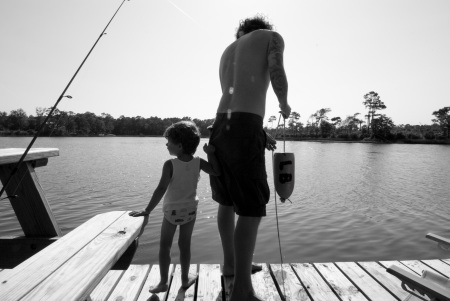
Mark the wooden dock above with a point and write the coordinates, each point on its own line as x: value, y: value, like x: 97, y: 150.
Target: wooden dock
x: 296, y: 281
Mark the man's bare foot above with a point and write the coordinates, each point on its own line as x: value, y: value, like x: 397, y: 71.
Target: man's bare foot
x: 229, y: 272
x: 251, y: 297
x: 161, y: 287
x: 185, y: 284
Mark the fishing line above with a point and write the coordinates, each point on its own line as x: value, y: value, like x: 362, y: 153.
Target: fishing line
x: 276, y: 206
x: 279, y: 241
x: 16, y: 167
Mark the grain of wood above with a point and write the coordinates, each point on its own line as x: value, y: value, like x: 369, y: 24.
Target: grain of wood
x: 387, y: 263
x: 153, y: 279
x: 264, y: 285
x: 365, y: 283
x: 209, y: 284
x: 104, y: 289
x: 76, y: 279
x: 17, y: 282
x: 131, y: 283
x: 340, y: 284
x: 416, y: 266
x: 390, y: 282
x: 176, y: 292
x: 292, y: 288
x: 439, y: 266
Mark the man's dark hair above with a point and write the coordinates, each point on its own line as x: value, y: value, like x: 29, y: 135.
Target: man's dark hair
x: 251, y: 24
x: 186, y: 133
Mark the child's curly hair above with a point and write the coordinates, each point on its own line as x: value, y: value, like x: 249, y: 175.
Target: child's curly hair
x: 186, y: 133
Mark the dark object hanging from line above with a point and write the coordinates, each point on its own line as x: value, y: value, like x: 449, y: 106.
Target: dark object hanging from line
x: 284, y: 170
x: 284, y: 174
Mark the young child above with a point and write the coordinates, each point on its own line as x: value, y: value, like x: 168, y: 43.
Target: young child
x: 178, y: 185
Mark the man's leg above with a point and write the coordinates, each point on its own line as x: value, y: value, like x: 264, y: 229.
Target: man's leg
x: 244, y: 243
x: 225, y: 222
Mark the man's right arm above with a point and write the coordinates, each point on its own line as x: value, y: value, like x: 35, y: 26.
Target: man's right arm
x: 277, y: 73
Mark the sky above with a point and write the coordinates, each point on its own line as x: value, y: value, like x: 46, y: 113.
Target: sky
x: 161, y: 57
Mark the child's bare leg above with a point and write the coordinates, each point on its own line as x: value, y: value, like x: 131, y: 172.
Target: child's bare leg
x: 165, y: 243
x: 184, y: 243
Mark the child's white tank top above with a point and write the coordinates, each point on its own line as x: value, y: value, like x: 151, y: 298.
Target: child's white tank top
x: 182, y: 189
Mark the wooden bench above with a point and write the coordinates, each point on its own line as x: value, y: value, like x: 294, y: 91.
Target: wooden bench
x: 71, y: 267
x: 29, y: 204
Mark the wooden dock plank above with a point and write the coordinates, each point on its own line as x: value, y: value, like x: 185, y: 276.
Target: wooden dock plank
x: 131, y: 283
x: 388, y: 281
x: 153, y: 279
x: 209, y: 284
x: 416, y: 266
x: 439, y: 266
x: 189, y: 295
x: 95, y: 260
x: 178, y: 293
x: 31, y: 270
x: 262, y: 282
x: 106, y: 286
x: 264, y: 285
x: 412, y: 268
x: 339, y: 283
x: 316, y: 287
x: 365, y: 283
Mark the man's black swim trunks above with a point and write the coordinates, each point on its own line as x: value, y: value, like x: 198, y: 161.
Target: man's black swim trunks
x: 240, y: 142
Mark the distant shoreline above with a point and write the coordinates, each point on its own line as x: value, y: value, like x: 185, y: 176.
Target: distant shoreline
x: 305, y: 139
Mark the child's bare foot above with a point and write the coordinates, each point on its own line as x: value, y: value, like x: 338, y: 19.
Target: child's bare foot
x: 185, y: 284
x: 161, y: 287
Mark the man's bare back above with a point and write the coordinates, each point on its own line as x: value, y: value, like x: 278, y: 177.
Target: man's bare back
x: 246, y: 68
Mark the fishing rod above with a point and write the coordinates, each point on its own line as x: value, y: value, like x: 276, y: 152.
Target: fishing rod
x: 16, y: 167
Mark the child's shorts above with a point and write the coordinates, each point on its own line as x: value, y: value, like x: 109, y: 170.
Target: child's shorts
x: 181, y: 216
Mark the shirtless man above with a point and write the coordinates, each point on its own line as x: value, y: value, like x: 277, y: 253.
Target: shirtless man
x: 246, y: 68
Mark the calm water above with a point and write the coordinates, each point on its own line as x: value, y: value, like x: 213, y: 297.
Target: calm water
x: 351, y: 201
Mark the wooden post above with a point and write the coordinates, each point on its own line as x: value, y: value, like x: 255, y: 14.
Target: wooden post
x: 30, y: 205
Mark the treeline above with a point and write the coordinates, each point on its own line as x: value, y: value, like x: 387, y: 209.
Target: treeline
x: 61, y: 123
x: 372, y: 126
